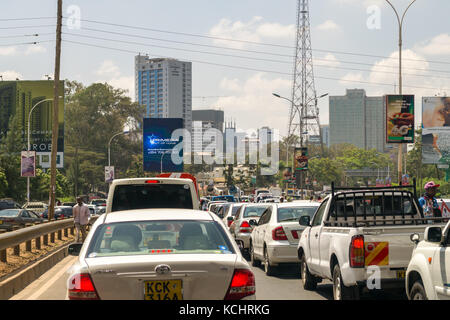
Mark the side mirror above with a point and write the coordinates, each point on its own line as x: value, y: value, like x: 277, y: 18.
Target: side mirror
x: 415, y: 237
x: 433, y: 234
x: 253, y: 222
x: 74, y: 249
x: 305, y: 221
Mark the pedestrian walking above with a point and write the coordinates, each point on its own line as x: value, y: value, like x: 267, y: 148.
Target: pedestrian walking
x: 81, y: 215
x: 428, y: 201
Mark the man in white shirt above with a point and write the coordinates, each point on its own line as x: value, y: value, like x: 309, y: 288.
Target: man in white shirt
x: 81, y: 215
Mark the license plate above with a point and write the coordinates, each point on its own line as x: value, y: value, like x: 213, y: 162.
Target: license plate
x: 163, y: 290
x: 401, y: 274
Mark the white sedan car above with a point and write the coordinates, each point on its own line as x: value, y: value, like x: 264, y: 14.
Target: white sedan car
x: 159, y: 254
x: 275, y: 237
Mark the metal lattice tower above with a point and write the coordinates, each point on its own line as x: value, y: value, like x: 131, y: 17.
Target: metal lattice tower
x: 304, y: 108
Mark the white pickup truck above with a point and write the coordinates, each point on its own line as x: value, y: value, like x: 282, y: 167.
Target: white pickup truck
x: 360, y: 239
x: 428, y: 274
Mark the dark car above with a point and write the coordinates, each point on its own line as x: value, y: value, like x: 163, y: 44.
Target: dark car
x: 17, y: 217
x: 8, y: 204
x: 58, y: 213
x: 66, y: 211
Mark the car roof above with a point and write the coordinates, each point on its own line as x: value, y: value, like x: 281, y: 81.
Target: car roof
x: 142, y: 180
x: 258, y: 204
x: 299, y: 204
x: 157, y: 214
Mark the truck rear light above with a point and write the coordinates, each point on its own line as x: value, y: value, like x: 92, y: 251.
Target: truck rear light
x: 242, y: 285
x: 279, y: 234
x: 245, y: 227
x: 81, y: 287
x: 357, y: 254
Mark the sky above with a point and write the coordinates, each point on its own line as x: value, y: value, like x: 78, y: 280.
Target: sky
x: 354, y: 45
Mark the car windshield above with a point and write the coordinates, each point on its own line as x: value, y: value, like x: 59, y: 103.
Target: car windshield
x: 294, y: 213
x: 9, y: 213
x: 254, y: 211
x: 159, y: 237
x: 130, y: 197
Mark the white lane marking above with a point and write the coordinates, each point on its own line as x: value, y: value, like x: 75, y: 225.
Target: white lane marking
x: 52, y: 280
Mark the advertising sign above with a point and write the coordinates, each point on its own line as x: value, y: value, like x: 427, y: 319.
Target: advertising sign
x: 28, y: 164
x: 301, y: 158
x: 159, y: 145
x: 17, y: 98
x: 400, y: 118
x: 436, y: 130
x: 109, y: 174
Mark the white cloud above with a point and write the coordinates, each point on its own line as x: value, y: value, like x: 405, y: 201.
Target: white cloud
x: 255, y: 30
x: 35, y: 48
x: 8, y: 51
x: 109, y: 72
x: 11, y: 75
x: 329, y: 25
x: 328, y: 60
x: 108, y: 68
x: 439, y: 45
x: 124, y: 82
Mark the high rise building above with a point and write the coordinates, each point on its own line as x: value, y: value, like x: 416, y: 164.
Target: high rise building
x: 164, y: 87
x: 215, y: 117
x: 359, y: 120
x: 202, y: 121
x: 325, y: 135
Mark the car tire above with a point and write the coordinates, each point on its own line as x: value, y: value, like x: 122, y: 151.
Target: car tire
x: 268, y: 269
x: 308, y: 280
x: 418, y: 291
x: 340, y: 291
x: 255, y: 262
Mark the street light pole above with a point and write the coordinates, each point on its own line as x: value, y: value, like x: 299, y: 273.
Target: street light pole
x: 400, y: 82
x: 109, y: 145
x: 28, y: 141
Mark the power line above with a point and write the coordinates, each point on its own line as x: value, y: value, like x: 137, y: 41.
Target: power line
x: 250, y: 69
x: 241, y: 57
x: 32, y: 18
x: 24, y: 27
x: 249, y: 51
x: 256, y: 43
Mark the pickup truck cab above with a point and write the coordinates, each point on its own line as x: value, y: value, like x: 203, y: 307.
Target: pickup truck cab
x: 360, y: 239
x: 148, y: 193
x: 428, y: 273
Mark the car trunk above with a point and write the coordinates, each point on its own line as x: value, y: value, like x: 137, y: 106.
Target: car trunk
x: 203, y: 276
x: 293, y: 231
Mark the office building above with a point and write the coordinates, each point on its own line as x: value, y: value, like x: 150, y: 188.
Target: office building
x: 358, y: 119
x: 164, y: 87
x: 325, y: 135
x: 214, y: 117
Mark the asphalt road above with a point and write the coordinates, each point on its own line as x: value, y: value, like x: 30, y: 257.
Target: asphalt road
x: 285, y: 285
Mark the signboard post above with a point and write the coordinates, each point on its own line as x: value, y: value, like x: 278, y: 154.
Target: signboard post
x: 109, y: 174
x: 28, y: 164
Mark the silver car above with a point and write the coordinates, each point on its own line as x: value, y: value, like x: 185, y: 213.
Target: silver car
x: 241, y: 228
x: 159, y: 254
x: 275, y: 238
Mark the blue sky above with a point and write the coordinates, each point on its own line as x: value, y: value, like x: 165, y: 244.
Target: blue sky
x: 244, y: 95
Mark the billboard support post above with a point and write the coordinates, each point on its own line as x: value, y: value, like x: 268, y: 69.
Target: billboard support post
x: 51, y: 209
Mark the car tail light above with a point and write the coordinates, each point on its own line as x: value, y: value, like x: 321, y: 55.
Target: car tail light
x: 279, y: 234
x: 357, y: 259
x: 229, y: 222
x: 245, y: 227
x: 242, y: 285
x: 294, y: 234
x: 81, y: 287
x: 151, y: 181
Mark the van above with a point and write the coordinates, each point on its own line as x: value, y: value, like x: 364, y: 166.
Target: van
x: 155, y: 192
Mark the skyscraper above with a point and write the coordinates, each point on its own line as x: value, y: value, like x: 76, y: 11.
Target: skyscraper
x: 359, y: 120
x: 164, y: 86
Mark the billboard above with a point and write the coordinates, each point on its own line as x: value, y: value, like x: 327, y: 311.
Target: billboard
x: 18, y: 98
x: 436, y: 130
x: 28, y: 164
x: 109, y: 174
x: 400, y: 118
x: 301, y: 158
x: 159, y: 145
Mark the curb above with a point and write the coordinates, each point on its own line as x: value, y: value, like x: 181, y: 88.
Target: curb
x: 18, y: 282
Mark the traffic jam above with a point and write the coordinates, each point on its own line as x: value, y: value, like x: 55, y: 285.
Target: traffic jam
x: 159, y: 240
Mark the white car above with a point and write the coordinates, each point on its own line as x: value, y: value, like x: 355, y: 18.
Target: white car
x: 241, y: 228
x: 212, y: 205
x: 274, y: 239
x: 231, y: 212
x: 428, y: 273
x: 159, y: 254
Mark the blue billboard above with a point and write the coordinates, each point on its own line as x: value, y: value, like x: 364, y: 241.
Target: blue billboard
x: 159, y: 145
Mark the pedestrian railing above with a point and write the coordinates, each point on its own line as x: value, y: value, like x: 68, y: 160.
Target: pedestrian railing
x: 45, y: 232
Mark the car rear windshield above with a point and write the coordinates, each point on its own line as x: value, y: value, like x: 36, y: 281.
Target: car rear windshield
x: 234, y: 210
x: 98, y: 202
x: 294, y: 213
x: 130, y: 197
x: 254, y: 211
x: 159, y: 237
x: 9, y: 213
x: 7, y: 205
